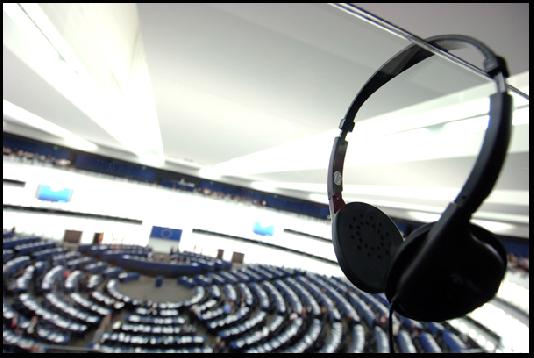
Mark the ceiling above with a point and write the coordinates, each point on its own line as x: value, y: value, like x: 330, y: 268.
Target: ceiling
x: 252, y: 94
x: 504, y: 27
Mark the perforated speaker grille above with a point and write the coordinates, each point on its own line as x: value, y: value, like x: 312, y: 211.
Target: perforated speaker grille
x: 367, y: 240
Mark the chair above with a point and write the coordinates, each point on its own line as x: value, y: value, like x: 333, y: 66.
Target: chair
x: 159, y: 281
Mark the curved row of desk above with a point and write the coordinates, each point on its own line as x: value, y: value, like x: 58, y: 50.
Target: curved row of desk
x: 257, y: 308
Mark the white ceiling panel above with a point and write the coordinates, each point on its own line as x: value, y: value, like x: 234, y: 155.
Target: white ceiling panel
x: 24, y: 88
x: 226, y: 67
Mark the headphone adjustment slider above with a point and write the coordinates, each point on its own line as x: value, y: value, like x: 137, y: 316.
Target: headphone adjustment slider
x: 346, y: 125
x: 496, y: 66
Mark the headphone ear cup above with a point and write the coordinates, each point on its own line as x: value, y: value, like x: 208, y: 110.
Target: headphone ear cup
x: 460, y: 277
x: 364, y: 239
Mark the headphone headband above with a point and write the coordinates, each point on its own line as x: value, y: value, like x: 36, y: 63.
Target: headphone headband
x: 491, y: 156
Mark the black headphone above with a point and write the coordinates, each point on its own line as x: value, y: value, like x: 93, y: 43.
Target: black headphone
x: 443, y: 269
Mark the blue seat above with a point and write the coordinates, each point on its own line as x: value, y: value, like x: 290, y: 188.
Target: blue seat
x: 434, y: 328
x: 7, y: 234
x: 129, y: 276
x: 10, y: 244
x: 45, y: 254
x: 454, y: 344
x: 247, y: 325
x: 7, y: 255
x: 186, y: 281
x: 333, y: 340
x: 159, y: 281
x: 28, y: 248
x: 357, y: 339
x: 405, y: 342
x: 428, y: 344
x: 112, y: 272
x: 15, y: 264
x: 261, y: 296
x: 98, y: 267
x: 381, y: 341
x: 308, y: 339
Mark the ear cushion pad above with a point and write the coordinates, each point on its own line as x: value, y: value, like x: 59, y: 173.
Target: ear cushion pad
x: 365, y: 240
x: 464, y: 275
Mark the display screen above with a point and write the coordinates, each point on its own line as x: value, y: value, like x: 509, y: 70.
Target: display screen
x: 45, y: 192
x: 263, y: 230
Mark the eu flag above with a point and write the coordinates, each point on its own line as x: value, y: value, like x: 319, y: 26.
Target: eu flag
x: 165, y: 233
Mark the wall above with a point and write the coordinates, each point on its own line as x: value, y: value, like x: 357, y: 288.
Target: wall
x: 53, y: 226
x: 93, y: 193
